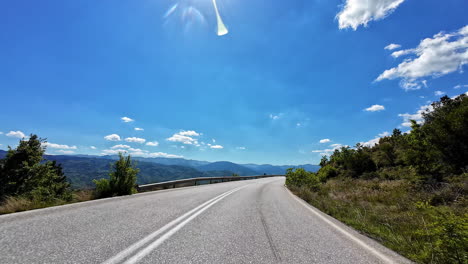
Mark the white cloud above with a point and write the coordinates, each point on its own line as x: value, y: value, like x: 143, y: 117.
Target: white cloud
x: 152, y: 143
x: 241, y: 148
x: 16, y: 134
x: 455, y: 87
x: 214, y: 140
x: 92, y: 147
x: 58, y: 146
x: 138, y: 129
x: 1, y: 133
x: 439, y: 93
x: 418, y: 116
x: 112, y: 137
x: 120, y: 146
x: 276, y: 116
x: 384, y: 134
x: 163, y: 155
x: 327, y: 152
x: 140, y: 153
x: 392, y: 46
x: 325, y: 140
x: 113, y: 151
x: 442, y: 54
x: 127, y: 119
x: 376, y: 140
x: 185, y: 137
x: 182, y: 139
x: 216, y: 147
x: 371, y: 142
x: 375, y: 108
x: 66, y: 151
x: 189, y: 133
x: 135, y: 140
x: 361, y: 12
x: 136, y: 150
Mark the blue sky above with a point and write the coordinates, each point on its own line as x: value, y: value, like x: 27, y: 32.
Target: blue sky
x: 288, y: 75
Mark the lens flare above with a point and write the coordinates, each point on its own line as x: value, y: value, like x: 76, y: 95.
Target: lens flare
x: 222, y: 30
x: 171, y: 10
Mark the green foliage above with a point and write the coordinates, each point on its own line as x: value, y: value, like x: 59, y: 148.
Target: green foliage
x: 446, y: 129
x: 408, y: 191
x: 122, y: 180
x: 327, y: 172
x: 302, y: 178
x: 102, y: 188
x: 431, y: 152
x: 24, y: 173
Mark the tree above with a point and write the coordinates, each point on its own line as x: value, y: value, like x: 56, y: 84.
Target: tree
x: 122, y: 179
x: 446, y: 128
x: 24, y: 172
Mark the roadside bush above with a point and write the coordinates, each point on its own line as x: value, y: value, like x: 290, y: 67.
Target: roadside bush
x: 327, y: 172
x: 122, y: 179
x: 302, y: 178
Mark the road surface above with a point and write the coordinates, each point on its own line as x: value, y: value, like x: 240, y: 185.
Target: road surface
x: 255, y: 221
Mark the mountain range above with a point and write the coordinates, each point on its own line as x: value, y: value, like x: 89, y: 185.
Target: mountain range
x: 82, y: 169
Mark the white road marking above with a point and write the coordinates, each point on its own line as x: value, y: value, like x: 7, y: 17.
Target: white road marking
x: 147, y: 250
x: 128, y: 251
x: 344, y: 232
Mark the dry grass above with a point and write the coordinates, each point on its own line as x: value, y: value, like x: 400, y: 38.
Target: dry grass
x: 18, y: 204
x: 399, y: 215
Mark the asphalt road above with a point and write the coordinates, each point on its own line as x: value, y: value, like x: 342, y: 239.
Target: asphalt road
x: 255, y: 221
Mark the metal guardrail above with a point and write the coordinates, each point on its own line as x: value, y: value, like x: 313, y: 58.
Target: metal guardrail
x: 194, y: 181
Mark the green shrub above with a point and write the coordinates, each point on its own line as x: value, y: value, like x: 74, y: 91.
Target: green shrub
x: 122, y: 179
x: 302, y: 178
x: 102, y: 188
x: 327, y: 172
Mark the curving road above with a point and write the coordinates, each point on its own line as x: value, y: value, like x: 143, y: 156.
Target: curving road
x: 255, y: 221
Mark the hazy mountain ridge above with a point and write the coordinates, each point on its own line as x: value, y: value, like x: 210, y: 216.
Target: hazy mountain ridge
x: 82, y: 169
x: 228, y: 166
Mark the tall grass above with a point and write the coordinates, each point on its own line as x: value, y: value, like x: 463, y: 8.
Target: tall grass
x: 14, y: 204
x: 426, y: 225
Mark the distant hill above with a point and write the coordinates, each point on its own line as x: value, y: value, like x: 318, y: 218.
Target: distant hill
x: 275, y: 169
x: 164, y: 161
x: 228, y: 166
x: 82, y: 169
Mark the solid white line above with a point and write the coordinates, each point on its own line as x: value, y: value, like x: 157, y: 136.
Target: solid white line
x: 126, y: 252
x: 344, y: 232
x: 147, y: 250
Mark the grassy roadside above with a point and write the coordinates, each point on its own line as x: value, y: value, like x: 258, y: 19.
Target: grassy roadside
x: 19, y: 204
x: 417, y: 223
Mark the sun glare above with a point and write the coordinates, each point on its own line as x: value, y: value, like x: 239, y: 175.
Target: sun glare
x: 191, y: 15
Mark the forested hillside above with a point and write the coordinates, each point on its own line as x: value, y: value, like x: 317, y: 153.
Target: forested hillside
x: 80, y: 171
x: 408, y: 191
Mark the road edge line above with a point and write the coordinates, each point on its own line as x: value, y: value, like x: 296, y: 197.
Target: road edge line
x: 341, y: 230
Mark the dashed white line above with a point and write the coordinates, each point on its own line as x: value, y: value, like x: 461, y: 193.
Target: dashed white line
x: 189, y: 216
